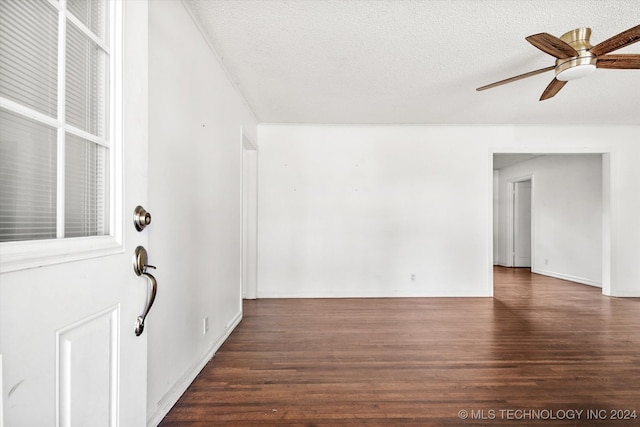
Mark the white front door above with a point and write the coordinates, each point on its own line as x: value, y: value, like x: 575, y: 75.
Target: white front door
x: 70, y: 356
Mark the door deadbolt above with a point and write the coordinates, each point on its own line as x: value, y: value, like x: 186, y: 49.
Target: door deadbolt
x: 141, y: 218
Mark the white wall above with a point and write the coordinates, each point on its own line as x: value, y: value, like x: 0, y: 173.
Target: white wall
x: 566, y: 215
x: 355, y: 210
x: 196, y: 123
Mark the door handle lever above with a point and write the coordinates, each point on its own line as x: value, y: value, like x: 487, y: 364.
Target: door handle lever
x: 140, y: 267
x: 152, y: 297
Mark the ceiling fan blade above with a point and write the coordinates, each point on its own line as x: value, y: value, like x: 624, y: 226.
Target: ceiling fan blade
x: 553, y: 88
x: 618, y: 41
x: 552, y: 45
x: 619, y: 62
x: 515, y: 78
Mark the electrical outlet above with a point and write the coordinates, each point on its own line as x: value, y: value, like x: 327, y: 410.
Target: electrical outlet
x: 546, y: 261
x: 205, y: 325
x: 413, y: 277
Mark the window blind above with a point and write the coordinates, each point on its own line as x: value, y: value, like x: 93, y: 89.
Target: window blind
x: 54, y: 121
x: 93, y: 14
x: 29, y: 54
x: 85, y: 83
x: 28, y: 157
x: 86, y: 195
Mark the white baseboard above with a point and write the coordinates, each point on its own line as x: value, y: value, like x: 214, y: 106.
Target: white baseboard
x: 626, y: 293
x: 173, y: 395
x: 393, y: 293
x: 568, y: 277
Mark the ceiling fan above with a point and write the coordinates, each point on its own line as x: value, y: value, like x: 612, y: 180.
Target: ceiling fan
x: 576, y: 57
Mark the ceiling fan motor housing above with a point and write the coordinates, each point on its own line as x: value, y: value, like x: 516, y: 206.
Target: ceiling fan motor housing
x: 577, y: 66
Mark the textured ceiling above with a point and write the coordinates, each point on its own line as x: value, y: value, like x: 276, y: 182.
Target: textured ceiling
x: 415, y: 62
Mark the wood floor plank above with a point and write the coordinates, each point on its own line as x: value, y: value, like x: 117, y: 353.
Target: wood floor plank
x: 542, y: 346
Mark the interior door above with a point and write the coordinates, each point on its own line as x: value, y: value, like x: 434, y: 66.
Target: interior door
x: 249, y: 219
x: 522, y: 224
x: 69, y: 352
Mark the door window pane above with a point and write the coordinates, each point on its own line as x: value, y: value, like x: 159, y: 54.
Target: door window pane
x: 86, y: 193
x: 28, y: 178
x: 29, y: 54
x: 92, y: 13
x: 86, y: 83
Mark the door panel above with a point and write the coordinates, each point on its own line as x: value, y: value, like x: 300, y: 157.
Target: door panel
x: 87, y: 360
x: 70, y: 355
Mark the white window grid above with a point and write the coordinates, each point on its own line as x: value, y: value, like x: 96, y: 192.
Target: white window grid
x: 20, y: 255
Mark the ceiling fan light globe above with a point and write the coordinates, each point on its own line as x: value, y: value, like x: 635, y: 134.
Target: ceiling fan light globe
x: 576, y: 72
x: 577, y: 67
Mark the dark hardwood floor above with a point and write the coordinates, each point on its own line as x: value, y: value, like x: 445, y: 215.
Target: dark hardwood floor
x: 541, y: 352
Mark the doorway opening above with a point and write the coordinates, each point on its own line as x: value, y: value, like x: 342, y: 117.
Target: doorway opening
x: 550, y: 214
